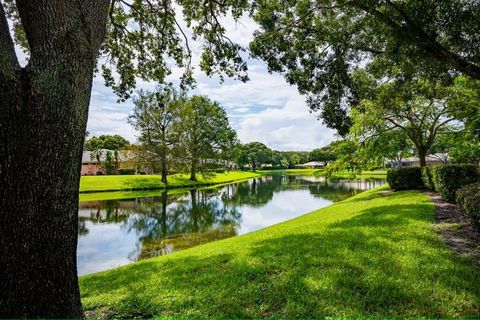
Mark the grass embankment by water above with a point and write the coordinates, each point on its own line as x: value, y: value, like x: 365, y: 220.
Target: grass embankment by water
x: 374, y: 254
x: 146, y: 182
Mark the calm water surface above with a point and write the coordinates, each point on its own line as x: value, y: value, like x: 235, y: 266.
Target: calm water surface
x: 117, y: 232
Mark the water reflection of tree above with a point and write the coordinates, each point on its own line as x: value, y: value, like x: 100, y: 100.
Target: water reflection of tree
x: 108, y: 211
x: 163, y: 228
x: 256, y: 192
x: 329, y: 192
x: 82, y: 228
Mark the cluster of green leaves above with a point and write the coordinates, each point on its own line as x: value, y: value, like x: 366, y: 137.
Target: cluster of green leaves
x: 449, y: 178
x: 147, y: 38
x: 256, y: 154
x: 110, y: 142
x: 179, y: 131
x: 319, y: 45
x: 468, y: 200
x: 405, y: 178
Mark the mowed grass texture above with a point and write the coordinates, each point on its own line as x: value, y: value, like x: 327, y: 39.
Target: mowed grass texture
x: 145, y: 182
x: 374, y: 254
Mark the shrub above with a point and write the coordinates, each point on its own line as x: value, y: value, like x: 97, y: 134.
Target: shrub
x: 427, y: 177
x: 126, y: 171
x: 468, y: 199
x: 447, y: 179
x: 405, y: 178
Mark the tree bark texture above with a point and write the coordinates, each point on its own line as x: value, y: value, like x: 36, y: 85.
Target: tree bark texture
x: 44, y: 109
x: 164, y: 168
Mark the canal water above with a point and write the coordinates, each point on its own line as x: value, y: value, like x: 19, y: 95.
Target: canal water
x: 117, y: 232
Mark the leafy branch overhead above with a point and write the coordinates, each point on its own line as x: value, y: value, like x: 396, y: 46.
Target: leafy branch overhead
x: 320, y: 44
x: 147, y: 39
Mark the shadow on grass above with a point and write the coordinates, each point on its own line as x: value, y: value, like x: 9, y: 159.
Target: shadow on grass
x: 384, y: 261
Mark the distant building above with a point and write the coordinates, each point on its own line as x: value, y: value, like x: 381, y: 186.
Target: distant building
x: 91, y: 166
x: 311, y: 164
x: 411, y: 162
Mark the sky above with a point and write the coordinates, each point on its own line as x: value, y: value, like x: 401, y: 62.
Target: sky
x: 265, y: 109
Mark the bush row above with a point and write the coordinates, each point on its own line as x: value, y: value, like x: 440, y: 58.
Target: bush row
x: 468, y: 200
x: 405, y: 178
x: 445, y: 179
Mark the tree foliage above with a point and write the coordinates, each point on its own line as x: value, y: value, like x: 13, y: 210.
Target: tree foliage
x: 417, y: 107
x: 322, y: 154
x: 110, y: 142
x: 319, y: 45
x: 255, y: 154
x: 156, y: 116
x: 205, y: 133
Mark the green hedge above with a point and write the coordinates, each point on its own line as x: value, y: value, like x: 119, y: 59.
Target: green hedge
x: 468, y: 199
x: 126, y: 171
x: 405, y: 178
x: 427, y: 178
x: 447, y: 179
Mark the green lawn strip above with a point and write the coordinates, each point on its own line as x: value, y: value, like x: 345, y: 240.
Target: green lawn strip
x: 145, y: 182
x: 118, y: 195
x: 374, y: 254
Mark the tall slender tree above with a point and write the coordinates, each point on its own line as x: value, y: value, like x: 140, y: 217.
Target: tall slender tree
x: 156, y: 116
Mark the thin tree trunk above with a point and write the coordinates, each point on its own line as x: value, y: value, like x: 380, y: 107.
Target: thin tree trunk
x: 43, y: 116
x: 164, y: 169
x: 193, y: 170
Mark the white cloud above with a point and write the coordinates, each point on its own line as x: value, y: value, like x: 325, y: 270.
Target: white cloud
x: 265, y: 109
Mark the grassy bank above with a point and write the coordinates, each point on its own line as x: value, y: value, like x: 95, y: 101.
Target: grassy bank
x: 374, y: 254
x: 145, y: 182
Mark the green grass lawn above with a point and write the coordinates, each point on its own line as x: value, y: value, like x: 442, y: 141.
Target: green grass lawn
x: 374, y: 254
x: 144, y: 182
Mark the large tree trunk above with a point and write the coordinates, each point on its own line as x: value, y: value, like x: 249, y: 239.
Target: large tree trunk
x: 43, y: 116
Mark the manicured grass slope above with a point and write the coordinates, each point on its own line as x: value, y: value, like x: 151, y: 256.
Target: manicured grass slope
x: 142, y: 182
x: 374, y: 254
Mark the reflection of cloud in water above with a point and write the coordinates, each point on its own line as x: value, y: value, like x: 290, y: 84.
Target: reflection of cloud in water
x: 283, y: 206
x: 104, y: 248
x: 312, y: 179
